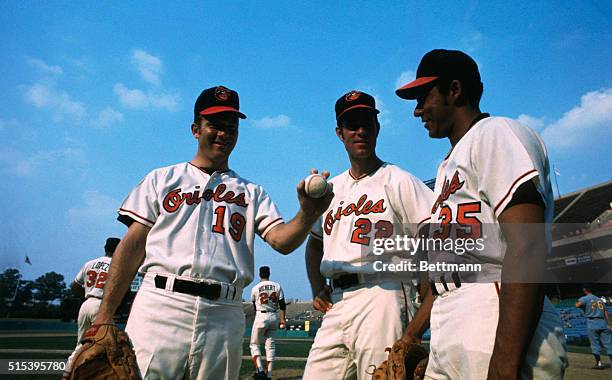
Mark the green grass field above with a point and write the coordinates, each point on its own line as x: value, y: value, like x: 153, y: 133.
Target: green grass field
x: 580, y: 359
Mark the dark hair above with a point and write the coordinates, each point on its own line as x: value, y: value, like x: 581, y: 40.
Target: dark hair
x: 471, y: 90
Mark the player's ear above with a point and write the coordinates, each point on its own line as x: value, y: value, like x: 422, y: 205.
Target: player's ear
x: 455, y: 93
x: 195, y: 130
x: 339, y: 132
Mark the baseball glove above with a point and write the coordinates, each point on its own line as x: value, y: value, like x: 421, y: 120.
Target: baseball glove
x: 404, y: 362
x: 106, y: 353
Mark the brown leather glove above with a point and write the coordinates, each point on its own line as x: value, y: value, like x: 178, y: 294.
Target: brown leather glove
x: 106, y: 353
x: 404, y: 362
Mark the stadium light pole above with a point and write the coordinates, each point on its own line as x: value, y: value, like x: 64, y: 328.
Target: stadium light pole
x: 556, y: 172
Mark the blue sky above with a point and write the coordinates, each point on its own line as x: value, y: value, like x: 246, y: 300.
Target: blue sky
x: 97, y: 94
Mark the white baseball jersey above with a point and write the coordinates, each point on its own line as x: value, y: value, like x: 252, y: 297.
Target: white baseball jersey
x: 266, y: 296
x: 476, y: 182
x: 92, y: 276
x: 365, y: 208
x: 202, y: 226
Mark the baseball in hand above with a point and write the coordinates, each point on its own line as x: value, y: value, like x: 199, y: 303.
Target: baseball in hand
x: 315, y: 185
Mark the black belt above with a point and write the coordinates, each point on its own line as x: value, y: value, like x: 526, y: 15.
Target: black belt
x: 345, y: 281
x: 201, y: 289
x: 456, y: 280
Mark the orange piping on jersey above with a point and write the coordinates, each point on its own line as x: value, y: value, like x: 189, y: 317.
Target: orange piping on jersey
x: 366, y: 174
x: 263, y: 232
x: 316, y: 235
x: 133, y: 213
x: 512, y: 187
x: 204, y: 171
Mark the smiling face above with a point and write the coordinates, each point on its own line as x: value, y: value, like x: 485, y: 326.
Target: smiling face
x: 217, y: 135
x: 358, y: 130
x: 436, y: 112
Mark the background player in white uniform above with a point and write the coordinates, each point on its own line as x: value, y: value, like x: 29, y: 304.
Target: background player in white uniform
x: 597, y: 325
x: 373, y: 199
x: 89, y: 283
x: 191, y: 231
x: 494, y: 324
x: 269, y: 303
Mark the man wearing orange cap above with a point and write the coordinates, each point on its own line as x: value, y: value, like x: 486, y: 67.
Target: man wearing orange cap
x: 494, y: 185
x: 191, y: 231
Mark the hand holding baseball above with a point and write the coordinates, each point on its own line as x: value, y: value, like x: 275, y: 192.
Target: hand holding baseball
x: 315, y: 193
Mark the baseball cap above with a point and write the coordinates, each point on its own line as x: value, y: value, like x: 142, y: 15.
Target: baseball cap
x: 111, y: 244
x: 441, y: 63
x: 264, y: 271
x: 352, y: 100
x: 217, y: 99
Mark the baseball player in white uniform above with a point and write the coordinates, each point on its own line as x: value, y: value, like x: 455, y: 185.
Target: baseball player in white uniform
x: 364, y: 311
x: 269, y: 303
x: 90, y: 283
x: 191, y: 233
x: 493, y: 184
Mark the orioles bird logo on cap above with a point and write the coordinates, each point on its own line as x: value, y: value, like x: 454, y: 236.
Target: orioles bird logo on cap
x: 352, y: 96
x: 222, y: 93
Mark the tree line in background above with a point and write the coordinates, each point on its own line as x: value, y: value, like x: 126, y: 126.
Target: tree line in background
x: 42, y: 298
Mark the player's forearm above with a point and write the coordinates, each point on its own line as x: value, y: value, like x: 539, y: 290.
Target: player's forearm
x: 285, y: 238
x: 314, y: 255
x: 282, y: 315
x: 417, y: 326
x: 519, y: 312
x: 124, y: 265
x: 520, y: 303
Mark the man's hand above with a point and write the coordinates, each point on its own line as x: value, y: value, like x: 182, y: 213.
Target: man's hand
x: 322, y: 300
x: 282, y: 324
x: 314, y: 206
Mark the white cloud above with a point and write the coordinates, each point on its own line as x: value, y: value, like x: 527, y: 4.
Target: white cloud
x: 95, y: 206
x: 278, y: 121
x: 472, y: 41
x: 171, y: 102
x: 134, y: 98
x: 589, y: 120
x: 60, y: 161
x: 107, y: 117
x: 131, y: 98
x: 384, y: 117
x: 530, y: 121
x: 149, y: 66
x: 40, y: 65
x: 404, y: 78
x: 58, y: 102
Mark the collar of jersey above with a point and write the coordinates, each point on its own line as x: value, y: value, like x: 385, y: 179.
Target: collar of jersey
x: 366, y: 174
x: 480, y: 116
x: 204, y: 171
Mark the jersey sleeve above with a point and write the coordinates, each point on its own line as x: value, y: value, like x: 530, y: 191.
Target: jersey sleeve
x: 411, y: 201
x: 280, y: 294
x: 317, y: 229
x: 507, y: 155
x: 80, y: 277
x: 141, y: 205
x: 267, y: 215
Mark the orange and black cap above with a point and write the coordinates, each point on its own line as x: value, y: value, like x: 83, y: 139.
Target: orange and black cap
x: 216, y: 100
x: 353, y: 100
x: 441, y: 64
